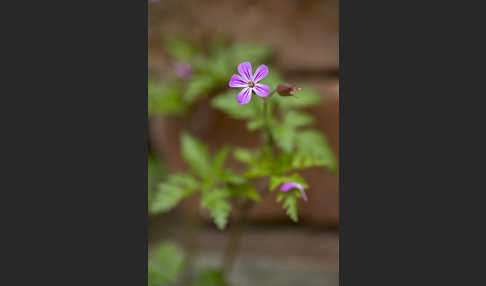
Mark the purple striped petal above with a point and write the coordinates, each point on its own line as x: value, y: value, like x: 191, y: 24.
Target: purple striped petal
x: 237, y: 81
x: 245, y: 70
x: 261, y: 90
x: 244, y: 96
x: 291, y: 185
x: 260, y: 73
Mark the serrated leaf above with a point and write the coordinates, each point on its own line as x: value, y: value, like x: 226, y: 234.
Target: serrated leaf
x: 184, y: 180
x: 215, y: 201
x: 313, y: 150
x: 171, y: 192
x: 220, y: 157
x: 285, y: 133
x: 258, y: 163
x: 289, y: 203
x: 165, y: 264
x: 196, y: 154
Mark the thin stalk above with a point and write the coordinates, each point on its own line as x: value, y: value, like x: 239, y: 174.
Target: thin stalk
x: 233, y: 245
x: 191, y: 235
x: 237, y: 231
x: 266, y: 134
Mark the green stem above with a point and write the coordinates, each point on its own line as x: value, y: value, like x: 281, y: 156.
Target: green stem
x: 236, y: 234
x: 238, y: 229
x: 267, y: 135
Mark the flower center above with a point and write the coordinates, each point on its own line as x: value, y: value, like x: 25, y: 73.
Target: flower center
x: 251, y: 84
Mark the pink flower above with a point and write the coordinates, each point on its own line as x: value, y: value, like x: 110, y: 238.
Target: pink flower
x: 293, y: 185
x: 183, y: 70
x: 249, y: 82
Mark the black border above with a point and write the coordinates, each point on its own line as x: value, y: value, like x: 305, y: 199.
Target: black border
x: 77, y: 162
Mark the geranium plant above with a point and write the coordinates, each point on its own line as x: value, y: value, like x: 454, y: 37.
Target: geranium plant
x: 288, y: 144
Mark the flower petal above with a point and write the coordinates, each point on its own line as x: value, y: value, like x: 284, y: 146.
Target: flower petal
x: 261, y: 90
x: 244, y: 96
x: 245, y: 70
x: 260, y: 73
x: 288, y: 186
x: 237, y: 81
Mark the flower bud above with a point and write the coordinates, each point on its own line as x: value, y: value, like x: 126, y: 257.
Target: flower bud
x: 286, y: 90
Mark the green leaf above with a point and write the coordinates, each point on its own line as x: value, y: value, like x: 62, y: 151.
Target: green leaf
x: 258, y: 163
x: 216, y: 202
x: 219, y: 67
x: 255, y: 124
x: 220, y: 158
x: 285, y: 133
x: 289, y: 203
x: 313, y: 150
x: 180, y: 49
x: 297, y: 118
x: 254, y: 53
x: 196, y: 154
x: 284, y: 137
x: 155, y: 174
x: 165, y: 264
x: 165, y: 98
x: 185, y: 180
x: 275, y: 180
x: 246, y: 191
x: 245, y: 155
x: 228, y: 176
x: 171, y: 192
x: 210, y: 277
x: 227, y: 103
x: 198, y: 86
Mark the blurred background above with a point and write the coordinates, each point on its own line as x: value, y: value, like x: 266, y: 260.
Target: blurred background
x: 194, y: 48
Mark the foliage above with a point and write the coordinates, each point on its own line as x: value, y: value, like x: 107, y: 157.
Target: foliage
x: 291, y: 142
x: 155, y: 175
x: 216, y: 183
x: 165, y: 264
x: 299, y: 146
x: 289, y: 200
x: 172, y: 191
x: 210, y: 277
x: 211, y: 69
x: 165, y: 98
